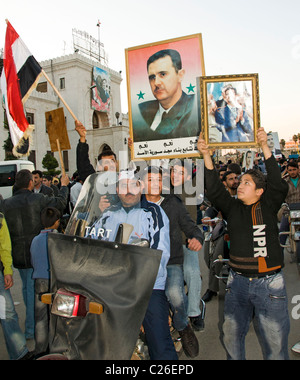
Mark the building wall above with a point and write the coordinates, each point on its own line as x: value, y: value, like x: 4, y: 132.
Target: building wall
x: 77, y: 73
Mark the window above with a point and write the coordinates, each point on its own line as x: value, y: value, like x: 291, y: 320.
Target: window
x: 32, y: 157
x: 30, y: 117
x: 7, y: 175
x: 62, y: 83
x: 95, y: 121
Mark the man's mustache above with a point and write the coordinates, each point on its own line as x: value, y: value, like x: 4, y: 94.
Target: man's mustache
x: 157, y: 89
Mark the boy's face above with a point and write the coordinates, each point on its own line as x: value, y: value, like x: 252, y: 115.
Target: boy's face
x: 107, y: 163
x: 179, y: 175
x: 247, y: 191
x: 153, y: 183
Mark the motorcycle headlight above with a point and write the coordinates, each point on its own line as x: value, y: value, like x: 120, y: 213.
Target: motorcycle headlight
x: 68, y: 304
x: 295, y: 214
x: 71, y: 305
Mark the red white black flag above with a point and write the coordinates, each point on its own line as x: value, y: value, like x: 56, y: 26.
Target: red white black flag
x: 19, y: 77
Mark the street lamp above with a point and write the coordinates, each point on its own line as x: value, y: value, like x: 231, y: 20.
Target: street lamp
x: 117, y: 114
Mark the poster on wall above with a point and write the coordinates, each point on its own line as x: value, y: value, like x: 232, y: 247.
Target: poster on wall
x: 101, y: 90
x: 164, y: 115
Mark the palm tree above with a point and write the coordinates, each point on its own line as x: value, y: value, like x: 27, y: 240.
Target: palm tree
x: 282, y: 143
x: 295, y: 138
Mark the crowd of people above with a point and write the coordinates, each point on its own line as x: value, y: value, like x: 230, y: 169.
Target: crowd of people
x: 157, y: 203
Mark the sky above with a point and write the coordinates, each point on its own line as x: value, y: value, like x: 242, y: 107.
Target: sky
x: 239, y: 37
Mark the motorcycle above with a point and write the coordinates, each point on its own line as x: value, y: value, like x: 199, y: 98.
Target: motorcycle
x: 216, y: 251
x: 99, y: 290
x: 292, y: 212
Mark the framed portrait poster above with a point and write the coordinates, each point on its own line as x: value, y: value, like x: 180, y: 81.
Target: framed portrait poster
x: 274, y: 144
x: 164, y: 114
x: 101, y: 90
x: 230, y: 113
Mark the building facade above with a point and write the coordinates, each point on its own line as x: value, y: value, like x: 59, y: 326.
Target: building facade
x: 72, y: 75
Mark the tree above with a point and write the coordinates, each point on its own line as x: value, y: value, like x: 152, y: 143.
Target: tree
x: 295, y: 138
x: 282, y: 143
x: 8, y: 145
x: 50, y: 163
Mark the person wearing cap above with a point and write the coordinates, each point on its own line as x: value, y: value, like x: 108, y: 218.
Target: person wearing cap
x: 149, y: 222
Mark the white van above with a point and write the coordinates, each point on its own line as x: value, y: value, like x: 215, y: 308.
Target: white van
x: 8, y: 171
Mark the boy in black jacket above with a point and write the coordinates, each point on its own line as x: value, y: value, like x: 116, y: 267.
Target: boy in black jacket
x: 255, y: 285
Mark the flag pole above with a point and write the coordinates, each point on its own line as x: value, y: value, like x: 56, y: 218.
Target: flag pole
x: 59, y: 95
x: 63, y: 171
x: 71, y: 112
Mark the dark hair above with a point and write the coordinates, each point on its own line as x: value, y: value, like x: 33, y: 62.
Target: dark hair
x: 226, y: 174
x: 38, y: 172
x: 258, y: 178
x: 173, y: 54
x: 293, y: 164
x: 185, y: 163
x: 49, y: 216
x: 231, y: 88
x: 106, y: 153
x: 23, y: 177
x: 235, y: 168
x: 48, y: 177
x: 222, y: 169
x: 152, y: 169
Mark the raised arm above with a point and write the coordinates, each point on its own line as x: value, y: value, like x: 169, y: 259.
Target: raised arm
x: 204, y: 150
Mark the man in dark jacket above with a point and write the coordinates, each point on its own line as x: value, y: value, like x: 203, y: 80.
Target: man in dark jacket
x: 255, y: 286
x: 180, y: 222
x: 23, y: 215
x: 39, y: 187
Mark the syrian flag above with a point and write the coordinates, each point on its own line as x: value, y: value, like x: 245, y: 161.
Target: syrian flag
x: 20, y: 76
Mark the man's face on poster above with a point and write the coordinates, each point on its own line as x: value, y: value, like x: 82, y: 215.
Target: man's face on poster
x: 248, y: 158
x: 165, y: 82
x: 270, y: 142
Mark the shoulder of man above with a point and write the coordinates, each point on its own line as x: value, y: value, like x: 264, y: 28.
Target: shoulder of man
x: 46, y: 190
x: 149, y: 107
x: 156, y: 211
x: 185, y: 98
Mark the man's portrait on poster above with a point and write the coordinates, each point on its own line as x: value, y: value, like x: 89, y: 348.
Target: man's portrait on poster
x: 164, y: 105
x: 230, y: 110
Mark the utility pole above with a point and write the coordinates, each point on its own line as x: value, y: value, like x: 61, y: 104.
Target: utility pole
x: 98, y: 25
